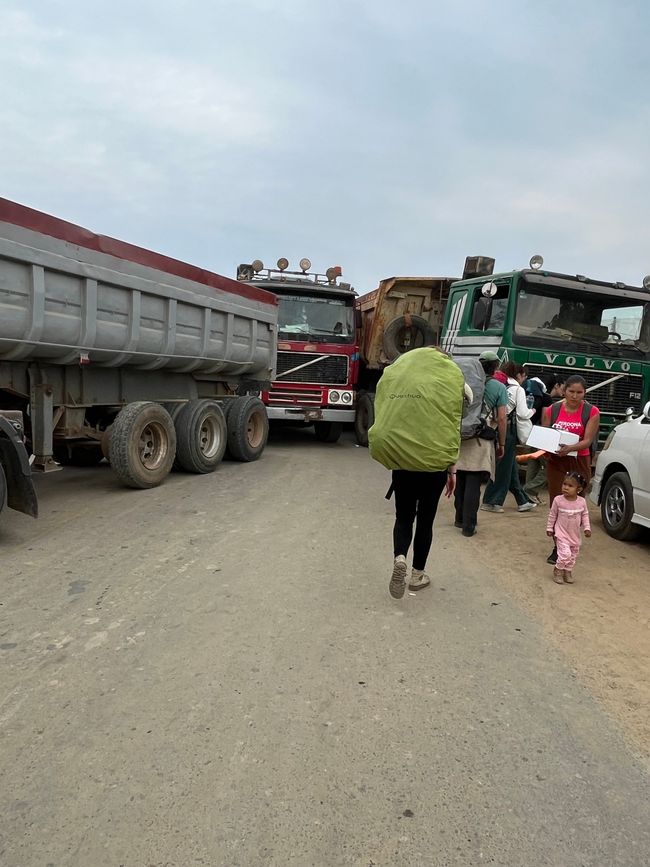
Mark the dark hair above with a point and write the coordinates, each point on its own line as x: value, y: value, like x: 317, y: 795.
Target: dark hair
x: 512, y: 369
x: 489, y: 366
x: 552, y: 379
x: 576, y: 476
x: 576, y: 379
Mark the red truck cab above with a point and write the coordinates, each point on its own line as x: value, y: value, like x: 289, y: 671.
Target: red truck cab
x: 318, y: 353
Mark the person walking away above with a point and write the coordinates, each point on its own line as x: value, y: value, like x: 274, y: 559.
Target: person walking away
x: 507, y: 473
x: 568, y: 516
x: 478, y: 457
x: 416, y: 434
x: 575, y: 415
x: 544, y: 392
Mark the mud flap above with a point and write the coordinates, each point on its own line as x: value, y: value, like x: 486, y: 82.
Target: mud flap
x: 21, y: 494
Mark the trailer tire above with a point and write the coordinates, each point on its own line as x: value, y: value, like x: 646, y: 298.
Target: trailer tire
x: 226, y: 405
x: 201, y: 436
x: 364, y: 417
x: 404, y: 333
x: 328, y: 431
x: 142, y: 445
x: 3, y: 489
x: 77, y: 455
x: 248, y: 428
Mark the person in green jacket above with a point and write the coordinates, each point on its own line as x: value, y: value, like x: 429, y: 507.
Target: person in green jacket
x: 418, y: 410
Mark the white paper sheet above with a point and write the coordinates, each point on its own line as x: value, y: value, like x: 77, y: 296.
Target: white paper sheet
x: 550, y: 439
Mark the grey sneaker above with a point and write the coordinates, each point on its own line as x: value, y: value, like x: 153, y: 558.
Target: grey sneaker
x: 526, y: 507
x: 419, y: 580
x: 488, y: 507
x: 398, y: 578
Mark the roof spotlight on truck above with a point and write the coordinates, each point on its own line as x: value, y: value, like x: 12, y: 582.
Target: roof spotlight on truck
x: 536, y: 262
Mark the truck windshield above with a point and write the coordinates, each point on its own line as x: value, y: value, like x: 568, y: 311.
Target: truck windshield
x: 304, y: 317
x: 617, y: 326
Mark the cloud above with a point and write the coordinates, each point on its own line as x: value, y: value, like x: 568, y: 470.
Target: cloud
x: 385, y: 137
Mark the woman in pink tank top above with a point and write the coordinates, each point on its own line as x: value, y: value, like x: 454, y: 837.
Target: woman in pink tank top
x: 570, y: 419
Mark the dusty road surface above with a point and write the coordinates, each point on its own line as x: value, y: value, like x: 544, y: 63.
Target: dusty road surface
x: 213, y: 673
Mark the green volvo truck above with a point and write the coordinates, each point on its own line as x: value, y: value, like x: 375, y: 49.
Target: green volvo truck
x: 559, y: 322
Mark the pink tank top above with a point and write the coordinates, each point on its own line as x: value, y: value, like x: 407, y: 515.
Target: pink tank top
x: 572, y: 422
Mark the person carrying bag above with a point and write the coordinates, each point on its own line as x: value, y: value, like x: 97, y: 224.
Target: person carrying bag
x: 507, y: 473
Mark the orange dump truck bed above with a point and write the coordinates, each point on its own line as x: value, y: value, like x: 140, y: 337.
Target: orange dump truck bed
x: 402, y: 313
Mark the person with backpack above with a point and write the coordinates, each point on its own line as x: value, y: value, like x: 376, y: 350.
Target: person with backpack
x: 483, y: 435
x: 544, y: 392
x: 507, y: 474
x: 418, y: 410
x: 575, y: 415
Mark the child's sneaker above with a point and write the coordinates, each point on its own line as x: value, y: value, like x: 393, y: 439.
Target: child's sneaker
x: 568, y: 577
x: 558, y: 575
x: 419, y: 579
x: 398, y: 578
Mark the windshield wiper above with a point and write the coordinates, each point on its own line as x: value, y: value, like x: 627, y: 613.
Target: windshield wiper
x: 591, y: 342
x: 630, y: 346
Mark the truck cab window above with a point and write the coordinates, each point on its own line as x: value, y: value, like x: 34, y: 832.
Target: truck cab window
x: 489, y: 314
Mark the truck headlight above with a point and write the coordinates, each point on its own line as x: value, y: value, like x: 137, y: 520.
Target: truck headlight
x: 334, y: 397
x: 346, y: 397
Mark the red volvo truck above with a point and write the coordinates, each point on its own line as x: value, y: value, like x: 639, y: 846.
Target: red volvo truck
x: 318, y: 353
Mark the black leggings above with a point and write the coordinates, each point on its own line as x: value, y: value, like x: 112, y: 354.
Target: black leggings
x: 468, y: 497
x: 416, y: 495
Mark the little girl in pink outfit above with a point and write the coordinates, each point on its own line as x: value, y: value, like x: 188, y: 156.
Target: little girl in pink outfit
x: 568, y: 516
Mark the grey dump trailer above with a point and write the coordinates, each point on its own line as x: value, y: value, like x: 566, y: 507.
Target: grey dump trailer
x: 111, y: 351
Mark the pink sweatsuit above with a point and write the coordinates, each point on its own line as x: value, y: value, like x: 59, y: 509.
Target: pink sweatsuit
x: 566, y: 520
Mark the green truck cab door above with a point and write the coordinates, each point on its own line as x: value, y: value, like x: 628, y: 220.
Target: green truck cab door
x: 477, y: 314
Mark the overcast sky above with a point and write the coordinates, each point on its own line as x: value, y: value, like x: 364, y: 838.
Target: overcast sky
x: 387, y: 137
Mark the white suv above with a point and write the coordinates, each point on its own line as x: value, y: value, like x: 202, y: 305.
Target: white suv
x: 621, y: 485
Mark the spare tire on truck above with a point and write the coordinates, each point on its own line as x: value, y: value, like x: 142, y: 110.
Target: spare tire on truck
x: 405, y: 333
x: 364, y: 417
x: 201, y: 436
x: 142, y: 445
x: 248, y: 428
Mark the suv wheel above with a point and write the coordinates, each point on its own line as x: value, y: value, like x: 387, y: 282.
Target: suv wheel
x: 617, y: 507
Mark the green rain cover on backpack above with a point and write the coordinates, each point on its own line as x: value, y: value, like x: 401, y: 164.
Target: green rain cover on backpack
x: 418, y: 411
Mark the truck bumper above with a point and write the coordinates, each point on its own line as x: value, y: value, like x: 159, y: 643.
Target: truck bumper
x: 309, y: 414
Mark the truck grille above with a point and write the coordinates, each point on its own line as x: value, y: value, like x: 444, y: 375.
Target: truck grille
x: 612, y: 399
x: 331, y: 369
x: 279, y: 395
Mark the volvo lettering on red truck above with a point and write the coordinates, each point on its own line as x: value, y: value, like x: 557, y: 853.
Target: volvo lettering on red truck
x: 560, y: 323
x: 110, y: 350
x: 317, y: 360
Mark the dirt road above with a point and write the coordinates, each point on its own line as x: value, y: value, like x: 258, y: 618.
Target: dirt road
x: 213, y: 673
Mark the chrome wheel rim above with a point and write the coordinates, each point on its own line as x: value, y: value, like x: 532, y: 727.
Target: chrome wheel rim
x: 615, y: 506
x: 209, y: 436
x: 255, y: 429
x: 153, y: 445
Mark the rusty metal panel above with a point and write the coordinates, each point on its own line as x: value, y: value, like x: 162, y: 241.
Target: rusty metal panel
x: 396, y: 297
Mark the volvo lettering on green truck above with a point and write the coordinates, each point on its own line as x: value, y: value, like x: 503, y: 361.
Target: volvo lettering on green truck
x: 559, y: 323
